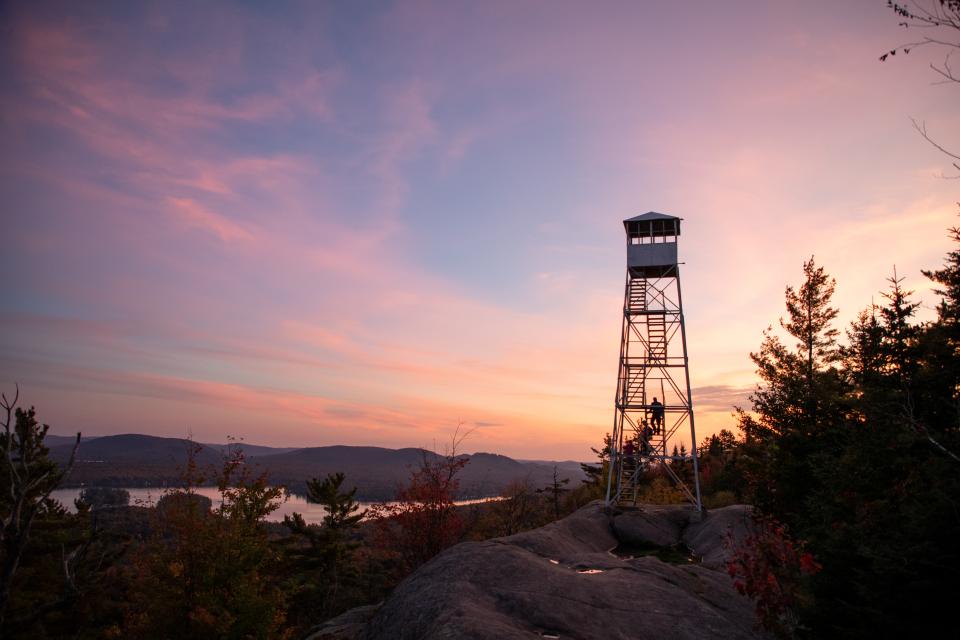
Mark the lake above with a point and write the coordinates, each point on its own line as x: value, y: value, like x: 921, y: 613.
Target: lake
x: 146, y: 497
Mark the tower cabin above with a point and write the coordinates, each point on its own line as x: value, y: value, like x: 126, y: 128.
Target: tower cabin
x: 652, y: 245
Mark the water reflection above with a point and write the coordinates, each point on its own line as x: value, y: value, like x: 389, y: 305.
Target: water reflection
x: 147, y: 497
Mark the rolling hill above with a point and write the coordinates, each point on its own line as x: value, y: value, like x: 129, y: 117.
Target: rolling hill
x: 134, y: 460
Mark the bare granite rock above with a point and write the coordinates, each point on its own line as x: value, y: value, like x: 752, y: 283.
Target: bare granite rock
x: 349, y: 625
x: 654, y: 524
x: 562, y: 581
x: 707, y: 539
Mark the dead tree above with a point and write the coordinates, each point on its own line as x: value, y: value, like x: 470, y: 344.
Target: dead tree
x: 28, y: 478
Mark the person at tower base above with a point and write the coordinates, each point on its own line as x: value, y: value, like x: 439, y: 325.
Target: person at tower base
x: 656, y: 415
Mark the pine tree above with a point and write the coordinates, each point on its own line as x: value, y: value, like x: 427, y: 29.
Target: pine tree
x: 596, y: 475
x: 810, y: 318
x: 899, y: 335
x: 341, y: 507
x: 949, y: 280
x: 206, y: 573
x: 320, y: 555
x: 555, y: 489
x: 861, y: 463
x: 799, y: 401
x: 27, y: 478
x: 879, y: 496
x: 862, y: 356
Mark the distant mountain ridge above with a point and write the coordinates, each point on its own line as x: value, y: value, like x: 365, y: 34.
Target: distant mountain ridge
x: 134, y: 441
x: 55, y: 441
x: 134, y: 460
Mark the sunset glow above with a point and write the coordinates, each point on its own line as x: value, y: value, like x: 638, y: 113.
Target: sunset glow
x: 364, y: 223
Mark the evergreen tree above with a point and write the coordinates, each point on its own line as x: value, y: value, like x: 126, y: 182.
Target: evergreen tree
x: 27, y: 478
x: 596, y: 475
x: 719, y: 467
x: 555, y: 489
x: 878, y: 505
x: 899, y: 336
x: 206, y: 574
x: 519, y: 510
x: 860, y: 463
x: 319, y: 556
x: 341, y: 507
x: 862, y: 356
x: 104, y: 497
x: 948, y: 279
x: 810, y: 318
x: 935, y: 405
x: 799, y: 404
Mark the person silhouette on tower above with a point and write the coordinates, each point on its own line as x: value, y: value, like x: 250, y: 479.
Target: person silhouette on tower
x: 656, y: 415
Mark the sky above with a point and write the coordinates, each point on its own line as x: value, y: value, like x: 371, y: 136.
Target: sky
x: 313, y: 223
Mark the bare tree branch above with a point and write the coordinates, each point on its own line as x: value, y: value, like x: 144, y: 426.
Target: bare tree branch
x: 32, y: 477
x: 943, y: 17
x: 919, y: 427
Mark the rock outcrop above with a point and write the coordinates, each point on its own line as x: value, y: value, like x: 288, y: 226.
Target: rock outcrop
x: 656, y: 572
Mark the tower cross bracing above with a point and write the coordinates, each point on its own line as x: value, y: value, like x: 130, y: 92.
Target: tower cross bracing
x: 653, y: 399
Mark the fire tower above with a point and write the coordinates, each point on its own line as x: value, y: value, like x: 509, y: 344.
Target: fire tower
x: 653, y: 401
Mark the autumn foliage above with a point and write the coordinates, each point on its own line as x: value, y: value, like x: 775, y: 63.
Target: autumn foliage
x: 423, y: 520
x: 773, y: 570
x: 204, y: 573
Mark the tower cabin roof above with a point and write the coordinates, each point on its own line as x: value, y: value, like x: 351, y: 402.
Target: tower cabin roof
x: 652, y: 224
x: 651, y: 215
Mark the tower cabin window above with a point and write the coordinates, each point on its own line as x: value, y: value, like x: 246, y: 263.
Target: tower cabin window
x: 650, y: 231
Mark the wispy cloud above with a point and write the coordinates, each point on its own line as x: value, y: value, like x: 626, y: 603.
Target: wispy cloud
x: 722, y: 397
x: 196, y: 216
x: 367, y: 226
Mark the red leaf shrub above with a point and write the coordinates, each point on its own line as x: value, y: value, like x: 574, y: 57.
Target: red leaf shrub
x: 423, y: 520
x: 772, y: 569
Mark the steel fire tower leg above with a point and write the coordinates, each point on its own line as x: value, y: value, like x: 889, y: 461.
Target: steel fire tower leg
x: 653, y: 367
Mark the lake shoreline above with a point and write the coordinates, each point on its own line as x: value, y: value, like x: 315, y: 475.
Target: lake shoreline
x: 295, y: 503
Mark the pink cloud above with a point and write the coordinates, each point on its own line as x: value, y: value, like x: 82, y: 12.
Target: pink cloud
x: 307, y: 299
x: 194, y: 215
x: 171, y: 405
x: 409, y: 127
